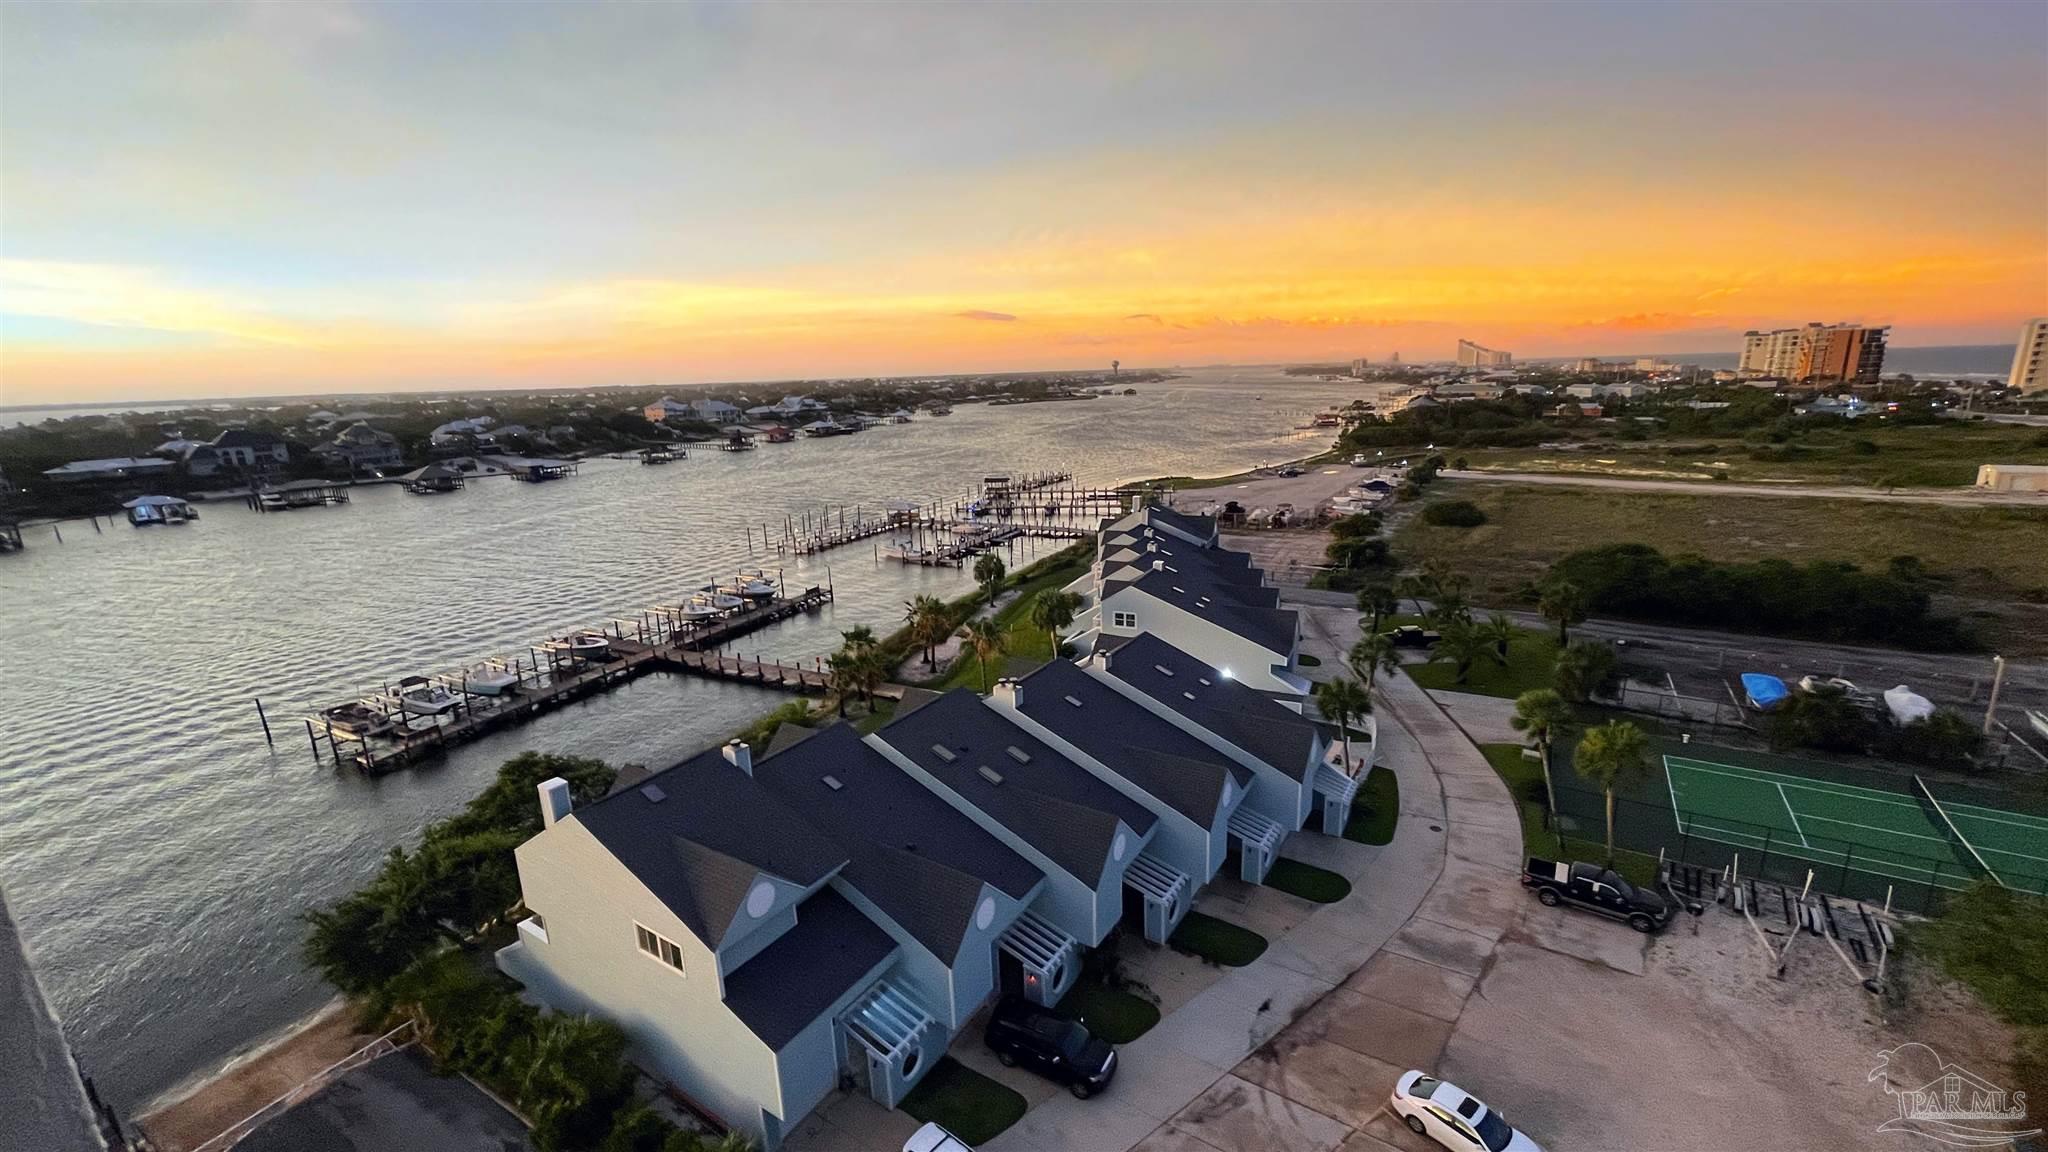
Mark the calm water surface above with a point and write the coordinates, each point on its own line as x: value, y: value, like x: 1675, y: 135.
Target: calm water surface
x: 158, y: 854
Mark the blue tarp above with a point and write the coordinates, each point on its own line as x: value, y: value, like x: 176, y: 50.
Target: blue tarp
x: 1764, y: 692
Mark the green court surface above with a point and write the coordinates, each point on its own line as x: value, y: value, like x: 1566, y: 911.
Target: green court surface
x: 1888, y: 834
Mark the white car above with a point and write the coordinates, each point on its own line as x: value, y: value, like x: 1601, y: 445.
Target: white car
x: 1444, y: 1112
x: 933, y: 1138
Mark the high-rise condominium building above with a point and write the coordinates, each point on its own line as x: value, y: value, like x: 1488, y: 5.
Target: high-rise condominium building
x: 2030, y: 359
x: 1849, y: 353
x: 1358, y: 367
x: 1472, y: 355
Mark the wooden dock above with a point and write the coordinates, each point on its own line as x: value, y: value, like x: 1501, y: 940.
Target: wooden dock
x: 786, y: 675
x: 552, y: 676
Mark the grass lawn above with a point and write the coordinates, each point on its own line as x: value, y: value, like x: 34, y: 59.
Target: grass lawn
x: 1942, y: 455
x: 1026, y: 646
x: 1375, y: 809
x: 1984, y: 553
x: 1307, y: 881
x: 1217, y: 941
x: 1115, y: 1015
x: 865, y: 722
x: 1531, y: 655
x: 964, y: 1102
x: 1524, y: 779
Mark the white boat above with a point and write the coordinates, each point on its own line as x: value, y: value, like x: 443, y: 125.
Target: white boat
x: 697, y: 609
x: 489, y: 681
x: 721, y: 599
x: 590, y: 646
x: 751, y: 584
x: 422, y: 698
x: 359, y: 720
x: 145, y: 510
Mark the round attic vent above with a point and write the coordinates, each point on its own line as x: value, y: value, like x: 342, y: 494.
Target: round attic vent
x: 986, y: 914
x: 1119, y: 846
x: 760, y: 900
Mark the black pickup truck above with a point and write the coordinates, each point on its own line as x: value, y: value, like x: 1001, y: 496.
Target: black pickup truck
x: 1597, y: 889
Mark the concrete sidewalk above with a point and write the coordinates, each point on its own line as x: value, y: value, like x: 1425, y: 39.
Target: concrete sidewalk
x: 1299, y: 1049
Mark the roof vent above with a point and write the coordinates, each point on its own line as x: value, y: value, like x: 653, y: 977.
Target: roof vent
x: 1162, y: 669
x: 832, y: 782
x: 653, y: 793
x: 944, y: 753
x: 1074, y: 700
x: 1018, y: 754
x: 1204, y: 680
x: 989, y: 774
x: 1179, y: 589
x: 1189, y: 695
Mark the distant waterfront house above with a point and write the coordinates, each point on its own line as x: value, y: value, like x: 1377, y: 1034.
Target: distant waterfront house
x: 108, y: 468
x: 667, y: 408
x: 361, y: 446
x: 250, y: 450
x: 714, y: 411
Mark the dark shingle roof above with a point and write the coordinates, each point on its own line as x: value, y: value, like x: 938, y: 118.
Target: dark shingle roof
x: 1050, y: 802
x: 1270, y: 628
x: 699, y: 848
x: 1244, y: 716
x: 1184, y: 773
x: 1201, y: 527
x: 808, y: 968
x: 920, y: 860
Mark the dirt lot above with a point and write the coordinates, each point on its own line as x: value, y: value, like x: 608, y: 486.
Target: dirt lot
x: 1703, y: 1050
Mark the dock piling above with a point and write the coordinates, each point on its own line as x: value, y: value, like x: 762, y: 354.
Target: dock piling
x: 265, y: 721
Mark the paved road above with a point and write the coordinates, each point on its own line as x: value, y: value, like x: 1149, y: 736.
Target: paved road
x: 1957, y: 497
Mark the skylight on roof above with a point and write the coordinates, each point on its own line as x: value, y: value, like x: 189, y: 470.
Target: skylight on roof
x: 989, y: 774
x: 944, y: 753
x: 1074, y: 700
x: 1018, y: 754
x: 832, y: 782
x: 653, y: 793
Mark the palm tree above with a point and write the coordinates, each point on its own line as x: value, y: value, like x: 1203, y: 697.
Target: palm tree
x: 926, y: 616
x: 1373, y: 652
x: 1584, y: 670
x: 1502, y: 631
x: 1541, y: 712
x: 1614, y: 755
x: 1415, y: 589
x: 1563, y: 602
x: 859, y: 639
x: 989, y: 573
x: 1462, y: 643
x: 986, y: 638
x: 1341, y: 700
x: 843, y: 676
x: 1053, y: 610
x: 1379, y: 602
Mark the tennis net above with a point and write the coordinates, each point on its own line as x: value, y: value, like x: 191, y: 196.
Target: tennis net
x: 1941, y: 820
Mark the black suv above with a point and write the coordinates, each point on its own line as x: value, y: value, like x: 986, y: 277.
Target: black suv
x: 1059, y: 1049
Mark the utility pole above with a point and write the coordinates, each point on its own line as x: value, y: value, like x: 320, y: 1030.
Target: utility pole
x: 1997, y: 681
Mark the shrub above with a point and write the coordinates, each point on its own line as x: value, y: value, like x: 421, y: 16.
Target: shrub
x: 1454, y: 514
x: 1823, y: 599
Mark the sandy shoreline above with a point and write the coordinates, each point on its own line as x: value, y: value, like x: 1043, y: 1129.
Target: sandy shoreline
x: 250, y: 1080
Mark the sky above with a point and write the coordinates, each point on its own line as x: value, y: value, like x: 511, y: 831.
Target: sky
x: 220, y: 199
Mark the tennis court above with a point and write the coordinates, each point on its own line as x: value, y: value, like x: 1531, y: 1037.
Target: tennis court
x: 1911, y: 837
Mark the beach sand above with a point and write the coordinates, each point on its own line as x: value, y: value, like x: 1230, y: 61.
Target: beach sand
x: 251, y: 1081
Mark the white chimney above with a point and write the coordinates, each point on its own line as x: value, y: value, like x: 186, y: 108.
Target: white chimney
x: 740, y: 756
x: 554, y: 800
x: 1159, y: 565
x: 1010, y: 692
